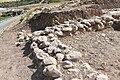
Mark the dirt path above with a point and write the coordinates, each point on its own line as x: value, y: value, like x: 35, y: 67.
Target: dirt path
x: 13, y: 66
x: 6, y: 23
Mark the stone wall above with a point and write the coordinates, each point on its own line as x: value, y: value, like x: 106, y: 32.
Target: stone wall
x: 50, y: 18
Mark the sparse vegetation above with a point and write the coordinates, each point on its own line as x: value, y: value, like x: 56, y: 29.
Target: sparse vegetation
x: 4, y: 18
x: 26, y: 2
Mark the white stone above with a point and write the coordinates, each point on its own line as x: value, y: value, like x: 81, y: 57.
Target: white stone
x: 44, y: 45
x: 59, y: 33
x: 74, y: 28
x: 27, y: 38
x: 38, y: 33
x: 57, y: 50
x: 34, y: 45
x: 50, y: 49
x: 58, y: 79
x: 67, y: 64
x: 54, y: 43
x: 52, y: 71
x: 87, y: 23
x: 42, y: 38
x: 75, y: 79
x: 21, y: 38
x: 51, y: 35
x: 49, y: 30
x: 86, y: 68
x: 80, y: 26
x: 49, y: 61
x: 97, y: 21
x: 67, y: 29
x: 102, y: 77
x: 40, y: 54
x: 74, y: 70
x: 63, y: 46
x: 20, y: 33
x: 30, y: 35
x: 18, y: 43
x: 73, y: 55
x: 60, y: 56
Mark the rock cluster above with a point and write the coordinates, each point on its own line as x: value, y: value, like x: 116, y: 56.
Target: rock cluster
x: 58, y: 15
x: 55, y: 56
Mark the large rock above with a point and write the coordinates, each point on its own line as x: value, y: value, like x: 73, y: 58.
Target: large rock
x: 58, y: 79
x: 102, y: 77
x: 49, y: 61
x: 60, y: 56
x: 43, y: 45
x: 86, y: 68
x: 73, y: 55
x: 40, y: 54
x: 38, y: 33
x: 52, y: 71
x: 75, y: 79
x: 67, y: 64
x: 42, y: 38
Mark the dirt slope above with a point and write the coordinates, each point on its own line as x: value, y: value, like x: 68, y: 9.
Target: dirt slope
x: 100, y: 49
x: 13, y: 66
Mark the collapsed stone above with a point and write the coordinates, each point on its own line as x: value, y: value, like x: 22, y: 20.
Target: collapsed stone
x: 49, y: 61
x: 67, y: 64
x: 52, y: 71
x: 40, y: 54
x: 73, y: 55
x: 102, y: 77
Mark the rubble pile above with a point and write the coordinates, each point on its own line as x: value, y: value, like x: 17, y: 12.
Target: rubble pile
x: 58, y: 59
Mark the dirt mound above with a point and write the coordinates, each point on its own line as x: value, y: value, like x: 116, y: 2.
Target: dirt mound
x: 63, y: 13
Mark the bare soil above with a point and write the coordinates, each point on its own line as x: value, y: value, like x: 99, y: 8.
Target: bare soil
x: 100, y: 49
x: 13, y: 66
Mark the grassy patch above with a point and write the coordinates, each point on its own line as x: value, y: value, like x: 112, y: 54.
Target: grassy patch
x: 4, y: 18
x: 26, y: 2
x: 17, y: 3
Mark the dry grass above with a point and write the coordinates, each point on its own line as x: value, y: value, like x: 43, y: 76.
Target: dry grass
x: 6, y: 0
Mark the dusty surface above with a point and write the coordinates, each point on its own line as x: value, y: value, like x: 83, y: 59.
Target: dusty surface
x: 13, y: 66
x: 100, y: 49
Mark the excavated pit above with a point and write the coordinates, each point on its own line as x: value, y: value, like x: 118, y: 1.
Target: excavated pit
x: 107, y: 4
x: 63, y: 13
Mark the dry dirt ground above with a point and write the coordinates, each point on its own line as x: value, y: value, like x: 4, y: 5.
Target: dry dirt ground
x: 13, y: 66
x: 100, y: 49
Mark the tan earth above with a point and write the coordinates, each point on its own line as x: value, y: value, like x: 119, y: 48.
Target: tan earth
x: 13, y: 66
x: 100, y: 49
